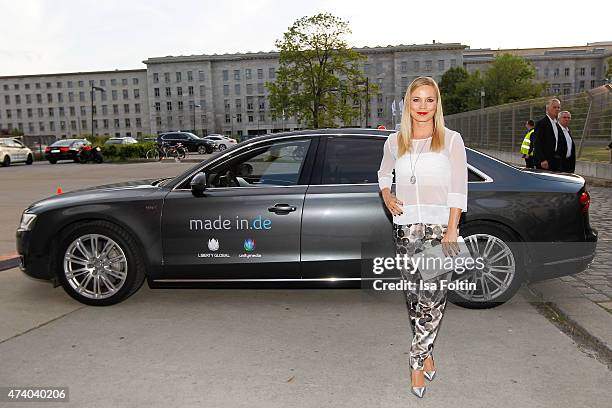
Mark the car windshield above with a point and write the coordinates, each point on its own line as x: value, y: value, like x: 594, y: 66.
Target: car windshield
x: 114, y: 141
x: 62, y: 143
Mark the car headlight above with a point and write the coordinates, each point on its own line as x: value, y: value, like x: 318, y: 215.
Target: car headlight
x: 27, y: 221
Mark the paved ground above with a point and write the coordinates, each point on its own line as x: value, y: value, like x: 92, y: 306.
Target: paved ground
x: 269, y: 348
x: 596, y: 282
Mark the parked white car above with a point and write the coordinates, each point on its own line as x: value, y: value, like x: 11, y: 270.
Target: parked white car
x: 221, y: 142
x: 13, y: 151
x: 121, y: 140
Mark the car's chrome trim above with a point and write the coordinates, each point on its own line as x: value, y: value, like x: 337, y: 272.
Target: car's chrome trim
x: 269, y: 280
x: 250, y: 145
x: 485, y: 176
x: 578, y: 258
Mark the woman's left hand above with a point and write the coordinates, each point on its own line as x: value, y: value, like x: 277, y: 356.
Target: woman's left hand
x: 449, y: 242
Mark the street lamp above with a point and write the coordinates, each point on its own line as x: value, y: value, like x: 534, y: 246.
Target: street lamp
x: 194, y: 115
x: 367, y: 107
x: 93, y: 89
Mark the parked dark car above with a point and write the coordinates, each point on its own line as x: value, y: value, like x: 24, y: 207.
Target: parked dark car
x: 297, y: 209
x: 65, y: 149
x: 192, y: 142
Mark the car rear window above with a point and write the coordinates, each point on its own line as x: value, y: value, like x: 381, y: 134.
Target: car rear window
x: 61, y: 143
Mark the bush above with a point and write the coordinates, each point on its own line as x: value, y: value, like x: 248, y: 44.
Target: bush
x: 124, y: 152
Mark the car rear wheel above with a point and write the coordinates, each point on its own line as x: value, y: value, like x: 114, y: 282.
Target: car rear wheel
x: 52, y: 161
x: 503, y: 267
x: 221, y: 147
x: 7, y: 161
x: 99, y: 263
x: 202, y: 149
x: 30, y: 159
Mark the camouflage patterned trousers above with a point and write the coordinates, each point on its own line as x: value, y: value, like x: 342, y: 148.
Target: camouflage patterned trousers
x: 425, y: 306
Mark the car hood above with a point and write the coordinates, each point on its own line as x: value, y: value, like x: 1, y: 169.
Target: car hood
x: 147, y: 189
x: 550, y: 175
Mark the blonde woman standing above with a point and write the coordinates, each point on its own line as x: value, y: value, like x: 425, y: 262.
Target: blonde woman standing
x: 431, y: 192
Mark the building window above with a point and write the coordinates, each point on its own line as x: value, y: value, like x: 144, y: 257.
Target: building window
x: 157, y: 106
x: 238, y: 104
x: 28, y: 98
x: 249, y: 89
x: 58, y: 85
x: 29, y: 112
x: 566, y: 72
x: 179, y: 77
x: 51, y: 112
x: 189, y: 75
x: 380, y: 113
x: 114, y: 82
x: 105, y: 123
x: 227, y: 118
x: 113, y: 94
x: 72, y: 111
x: 179, y: 91
x: 27, y: 86
x: 593, y: 71
x: 156, y: 92
x: 52, y: 126
x: 250, y: 118
x: 226, y: 104
x: 155, y: 77
x: 180, y: 105
x: 271, y: 73
x: 247, y: 73
x: 582, y: 71
x: 158, y: 121
x: 116, y: 109
x: 138, y: 122
x: 441, y: 65
x: 428, y: 65
x: 225, y: 90
x: 127, y: 123
x: 404, y: 66
x: 169, y: 106
x: 166, y: 76
x: 116, y: 123
x: 137, y: 108
x: 556, y: 72
x: 49, y: 98
x: 40, y: 112
x: 592, y: 83
x: 453, y: 62
x: 126, y: 108
x: 136, y: 93
x: 202, y: 90
x: 260, y: 88
x: 239, y: 118
x: 126, y: 94
x: 62, y: 111
x: 237, y: 89
x: 261, y: 102
x: 404, y: 82
x: 168, y: 91
x: 237, y: 74
x: 201, y: 76
x: 250, y: 103
x: 105, y: 109
x: 581, y: 86
x: 259, y: 73
x: 225, y: 75
x: 190, y: 90
x: 379, y: 67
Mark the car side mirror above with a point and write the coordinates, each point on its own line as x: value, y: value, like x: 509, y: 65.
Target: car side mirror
x: 198, y: 184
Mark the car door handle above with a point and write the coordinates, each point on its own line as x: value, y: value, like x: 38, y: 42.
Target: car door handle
x: 282, y: 208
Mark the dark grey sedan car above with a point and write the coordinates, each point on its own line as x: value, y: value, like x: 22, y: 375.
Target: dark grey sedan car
x: 299, y: 209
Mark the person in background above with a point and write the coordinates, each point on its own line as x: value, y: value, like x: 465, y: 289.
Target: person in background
x: 526, y: 146
x: 568, y: 164
x: 548, y: 153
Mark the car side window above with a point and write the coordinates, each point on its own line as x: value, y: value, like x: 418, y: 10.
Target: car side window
x: 277, y: 164
x: 352, y: 160
x: 18, y: 144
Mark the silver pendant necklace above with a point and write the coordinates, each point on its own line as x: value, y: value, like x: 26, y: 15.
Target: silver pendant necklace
x: 412, y: 168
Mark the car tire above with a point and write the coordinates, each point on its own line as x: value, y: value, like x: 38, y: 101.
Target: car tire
x: 504, y: 269
x: 30, y: 159
x: 52, y: 161
x: 99, y: 282
x: 202, y: 149
x: 222, y: 147
x: 7, y: 161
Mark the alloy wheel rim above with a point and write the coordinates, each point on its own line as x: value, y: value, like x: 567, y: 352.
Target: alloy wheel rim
x: 499, y: 268
x: 95, y: 266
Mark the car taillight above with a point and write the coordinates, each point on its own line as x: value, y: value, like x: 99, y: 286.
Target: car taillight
x: 64, y: 149
x: 47, y: 150
x: 585, y: 202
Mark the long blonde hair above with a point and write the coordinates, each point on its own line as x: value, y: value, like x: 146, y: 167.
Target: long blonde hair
x: 405, y: 133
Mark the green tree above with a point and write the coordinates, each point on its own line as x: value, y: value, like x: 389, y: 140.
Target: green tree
x: 16, y: 132
x: 319, y: 80
x: 460, y: 90
x: 509, y: 79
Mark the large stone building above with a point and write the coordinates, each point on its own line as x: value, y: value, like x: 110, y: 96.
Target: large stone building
x: 227, y: 93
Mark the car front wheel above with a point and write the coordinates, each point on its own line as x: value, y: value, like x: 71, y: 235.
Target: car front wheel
x: 498, y: 276
x: 202, y: 149
x: 30, y: 159
x: 7, y: 161
x: 98, y: 263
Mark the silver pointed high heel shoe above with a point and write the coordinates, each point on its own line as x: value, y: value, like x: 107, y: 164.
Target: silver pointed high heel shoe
x: 430, y: 375
x: 418, y: 391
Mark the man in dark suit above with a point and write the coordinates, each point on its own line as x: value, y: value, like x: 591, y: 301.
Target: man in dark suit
x: 547, y: 134
x: 568, y: 162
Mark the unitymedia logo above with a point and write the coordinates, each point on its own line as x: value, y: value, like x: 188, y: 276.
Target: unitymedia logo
x: 249, y: 245
x: 213, y: 244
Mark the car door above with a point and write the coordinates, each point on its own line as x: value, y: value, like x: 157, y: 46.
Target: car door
x: 344, y: 218
x: 247, y: 224
x: 21, y: 152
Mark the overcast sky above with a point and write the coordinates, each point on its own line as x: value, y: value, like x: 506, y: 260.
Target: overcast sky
x: 50, y: 36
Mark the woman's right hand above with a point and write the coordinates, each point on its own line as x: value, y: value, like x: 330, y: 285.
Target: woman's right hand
x: 392, y: 202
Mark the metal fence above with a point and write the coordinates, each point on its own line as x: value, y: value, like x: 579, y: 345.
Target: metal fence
x: 502, y: 127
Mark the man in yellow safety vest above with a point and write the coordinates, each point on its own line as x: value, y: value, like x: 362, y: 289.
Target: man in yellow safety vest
x: 527, y: 146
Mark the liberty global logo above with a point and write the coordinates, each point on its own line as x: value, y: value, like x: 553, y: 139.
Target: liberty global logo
x: 213, y: 244
x: 249, y: 245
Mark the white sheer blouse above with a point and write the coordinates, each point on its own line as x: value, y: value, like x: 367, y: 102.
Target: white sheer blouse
x: 441, y: 178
